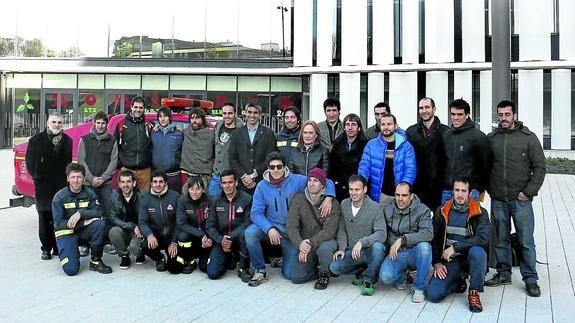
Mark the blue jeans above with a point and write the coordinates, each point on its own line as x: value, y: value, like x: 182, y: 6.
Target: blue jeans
x: 369, y: 262
x: 523, y: 219
x: 417, y: 257
x: 475, y: 263
x: 448, y: 195
x: 214, y: 188
x: 254, y: 236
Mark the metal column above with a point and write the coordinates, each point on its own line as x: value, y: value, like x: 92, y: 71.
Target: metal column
x: 500, y: 51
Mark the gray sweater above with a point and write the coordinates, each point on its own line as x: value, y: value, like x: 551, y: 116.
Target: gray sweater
x: 197, y: 150
x: 222, y: 161
x: 414, y: 222
x: 368, y: 226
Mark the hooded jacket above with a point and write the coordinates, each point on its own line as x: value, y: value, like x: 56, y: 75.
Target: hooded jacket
x: 222, y: 150
x: 198, y: 150
x: 518, y: 163
x: 372, y: 164
x: 99, y: 155
x: 477, y: 225
x: 270, y: 204
x: 414, y: 223
x: 167, y: 151
x: 467, y: 154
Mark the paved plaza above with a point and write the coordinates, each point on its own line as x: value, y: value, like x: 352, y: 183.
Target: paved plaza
x: 38, y: 291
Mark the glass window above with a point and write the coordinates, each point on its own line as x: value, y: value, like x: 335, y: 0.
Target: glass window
x: 90, y: 101
x: 59, y: 81
x: 253, y: 83
x: 88, y: 81
x: 123, y: 82
x: 155, y: 82
x: 153, y: 99
x: 286, y: 84
x: 188, y: 82
x: 222, y: 83
x: 26, y: 116
x: 30, y: 81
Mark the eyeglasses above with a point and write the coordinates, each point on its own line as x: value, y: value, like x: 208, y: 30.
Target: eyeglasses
x: 278, y: 167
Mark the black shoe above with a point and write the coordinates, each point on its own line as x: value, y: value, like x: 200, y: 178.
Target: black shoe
x: 141, y: 259
x: 533, y: 289
x: 322, y: 281
x: 125, y: 263
x: 244, y: 274
x: 55, y: 252
x: 497, y: 280
x: 461, y: 286
x: 84, y: 251
x: 190, y: 267
x: 276, y: 263
x: 232, y: 264
x: 161, y: 265
x: 46, y: 255
x: 96, y: 264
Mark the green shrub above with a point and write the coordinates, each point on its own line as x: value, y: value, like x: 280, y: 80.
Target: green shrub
x: 560, y: 166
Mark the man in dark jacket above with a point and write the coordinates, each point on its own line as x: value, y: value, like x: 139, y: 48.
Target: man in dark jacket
x: 228, y: 219
x: 167, y: 140
x: 379, y: 110
x: 249, y: 148
x: 425, y: 137
x: 157, y: 222
x: 467, y: 152
x: 198, y: 148
x: 331, y: 127
x: 409, y: 232
x: 123, y: 213
x: 78, y: 219
x: 517, y: 173
x: 47, y: 155
x: 134, y: 144
x: 346, y: 154
x: 287, y: 138
x: 460, y: 241
x: 312, y: 234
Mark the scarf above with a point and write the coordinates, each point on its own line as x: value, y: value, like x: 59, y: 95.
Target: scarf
x: 55, y: 139
x: 277, y: 182
x: 461, y: 208
x: 164, y: 191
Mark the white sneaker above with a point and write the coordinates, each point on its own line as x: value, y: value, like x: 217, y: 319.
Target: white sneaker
x: 258, y: 279
x: 400, y: 286
x: 418, y: 296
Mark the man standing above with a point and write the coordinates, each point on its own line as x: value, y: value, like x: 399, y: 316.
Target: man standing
x: 270, y: 204
x: 466, y: 150
x: 228, y: 219
x: 134, y: 144
x: 346, y: 154
x: 167, y: 142
x: 409, y: 231
x: 379, y: 110
x: 460, y: 240
x: 287, y: 138
x: 78, y: 219
x: 198, y: 148
x: 123, y: 213
x: 249, y: 147
x: 223, y: 133
x: 360, y: 237
x: 332, y: 127
x: 157, y: 222
x: 517, y: 173
x: 47, y: 155
x: 387, y: 160
x: 425, y: 137
x: 312, y: 234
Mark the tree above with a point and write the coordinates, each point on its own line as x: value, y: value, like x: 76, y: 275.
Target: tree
x: 33, y: 48
x: 124, y: 50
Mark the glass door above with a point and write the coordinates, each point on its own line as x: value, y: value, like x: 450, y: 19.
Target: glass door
x: 61, y: 101
x: 120, y: 101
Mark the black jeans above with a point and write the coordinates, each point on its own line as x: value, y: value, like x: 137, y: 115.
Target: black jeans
x: 46, y: 231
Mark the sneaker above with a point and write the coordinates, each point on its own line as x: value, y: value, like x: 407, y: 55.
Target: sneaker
x: 244, y: 274
x: 125, y: 263
x: 461, y: 286
x: 418, y: 296
x: 357, y: 280
x: 474, y: 301
x: 533, y: 289
x: 110, y: 249
x: 161, y: 264
x: 84, y: 251
x: 400, y: 286
x: 276, y: 262
x: 367, y: 289
x: 190, y: 267
x: 99, y: 266
x: 141, y: 259
x: 322, y: 281
x: 46, y: 255
x: 497, y: 280
x: 258, y: 279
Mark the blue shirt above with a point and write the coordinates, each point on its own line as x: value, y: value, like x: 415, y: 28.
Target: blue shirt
x: 252, y: 133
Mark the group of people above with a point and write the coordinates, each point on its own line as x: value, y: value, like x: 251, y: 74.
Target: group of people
x: 400, y: 206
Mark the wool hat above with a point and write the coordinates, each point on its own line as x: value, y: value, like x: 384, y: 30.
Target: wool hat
x: 319, y: 174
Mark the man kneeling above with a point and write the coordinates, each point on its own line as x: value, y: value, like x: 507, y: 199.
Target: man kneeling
x: 78, y: 219
x: 461, y: 236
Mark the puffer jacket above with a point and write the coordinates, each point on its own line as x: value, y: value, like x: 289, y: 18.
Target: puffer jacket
x: 167, y: 151
x: 518, y: 163
x: 134, y: 143
x: 158, y: 215
x: 372, y: 164
x: 198, y: 150
x: 467, y: 154
x: 302, y: 159
x: 414, y: 223
x: 270, y: 204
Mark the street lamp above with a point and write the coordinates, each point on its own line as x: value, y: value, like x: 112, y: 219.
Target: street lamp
x: 283, y: 10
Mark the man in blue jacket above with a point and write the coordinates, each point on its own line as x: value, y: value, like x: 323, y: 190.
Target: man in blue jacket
x: 269, y: 215
x: 387, y: 160
x: 167, y: 142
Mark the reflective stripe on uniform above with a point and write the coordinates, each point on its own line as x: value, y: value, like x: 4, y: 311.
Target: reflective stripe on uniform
x: 64, y: 261
x: 71, y: 205
x: 281, y: 143
x: 185, y: 244
x: 83, y: 204
x: 180, y: 260
x: 64, y: 232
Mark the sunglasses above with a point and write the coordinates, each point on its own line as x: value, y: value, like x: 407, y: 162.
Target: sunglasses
x: 278, y: 167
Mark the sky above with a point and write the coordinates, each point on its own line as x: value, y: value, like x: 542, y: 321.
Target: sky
x: 62, y: 24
